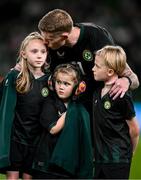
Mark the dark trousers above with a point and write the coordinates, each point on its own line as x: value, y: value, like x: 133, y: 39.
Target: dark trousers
x: 54, y: 172
x: 43, y: 175
x: 112, y: 171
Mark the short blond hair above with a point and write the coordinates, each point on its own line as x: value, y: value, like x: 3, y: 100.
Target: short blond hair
x: 114, y: 58
x: 56, y: 21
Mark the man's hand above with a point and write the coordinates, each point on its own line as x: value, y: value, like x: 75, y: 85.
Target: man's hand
x: 119, y: 88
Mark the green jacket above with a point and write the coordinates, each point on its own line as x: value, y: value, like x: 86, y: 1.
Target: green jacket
x: 73, y: 150
x: 7, y: 108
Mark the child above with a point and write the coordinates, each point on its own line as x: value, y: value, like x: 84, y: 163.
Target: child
x: 116, y: 131
x: 65, y: 149
x: 22, y: 97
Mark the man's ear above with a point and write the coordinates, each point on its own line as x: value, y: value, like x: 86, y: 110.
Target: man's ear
x: 65, y: 35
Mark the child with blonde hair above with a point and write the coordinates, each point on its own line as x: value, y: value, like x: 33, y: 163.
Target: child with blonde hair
x: 22, y: 96
x: 115, y: 128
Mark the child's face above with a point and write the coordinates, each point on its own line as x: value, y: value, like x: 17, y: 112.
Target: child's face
x: 64, y: 86
x: 100, y: 71
x: 35, y: 53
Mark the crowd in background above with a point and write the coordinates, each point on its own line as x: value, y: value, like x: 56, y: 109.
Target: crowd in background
x: 121, y: 17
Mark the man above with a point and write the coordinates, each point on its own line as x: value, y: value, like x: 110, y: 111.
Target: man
x: 68, y: 42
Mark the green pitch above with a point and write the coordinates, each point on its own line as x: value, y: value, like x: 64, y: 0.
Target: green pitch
x: 135, y: 172
x: 2, y: 176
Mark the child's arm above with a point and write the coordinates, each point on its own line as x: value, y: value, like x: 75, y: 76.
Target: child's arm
x: 134, y: 132
x: 59, y: 125
x: 52, y: 110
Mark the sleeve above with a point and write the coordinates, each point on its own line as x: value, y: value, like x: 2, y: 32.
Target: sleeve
x: 51, y: 112
x: 5, y: 82
x: 127, y: 106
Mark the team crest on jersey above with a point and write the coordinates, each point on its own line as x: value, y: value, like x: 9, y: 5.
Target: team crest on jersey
x: 45, y: 92
x: 107, y: 105
x: 87, y: 55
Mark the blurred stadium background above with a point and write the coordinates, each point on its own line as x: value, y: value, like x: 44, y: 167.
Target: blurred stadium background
x: 121, y: 17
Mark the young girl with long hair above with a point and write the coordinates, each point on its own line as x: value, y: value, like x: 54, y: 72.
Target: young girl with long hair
x: 23, y: 94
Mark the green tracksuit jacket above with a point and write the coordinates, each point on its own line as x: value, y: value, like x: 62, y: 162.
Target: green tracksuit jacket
x: 7, y: 109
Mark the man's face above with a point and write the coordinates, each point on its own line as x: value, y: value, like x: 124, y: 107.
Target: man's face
x: 54, y: 41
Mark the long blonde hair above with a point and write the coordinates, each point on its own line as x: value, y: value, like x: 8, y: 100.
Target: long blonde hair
x: 23, y: 83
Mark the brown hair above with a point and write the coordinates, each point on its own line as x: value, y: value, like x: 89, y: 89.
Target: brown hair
x: 70, y: 69
x: 56, y: 21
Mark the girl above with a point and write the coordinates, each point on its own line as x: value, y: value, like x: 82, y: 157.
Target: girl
x: 65, y: 149
x: 21, y: 103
